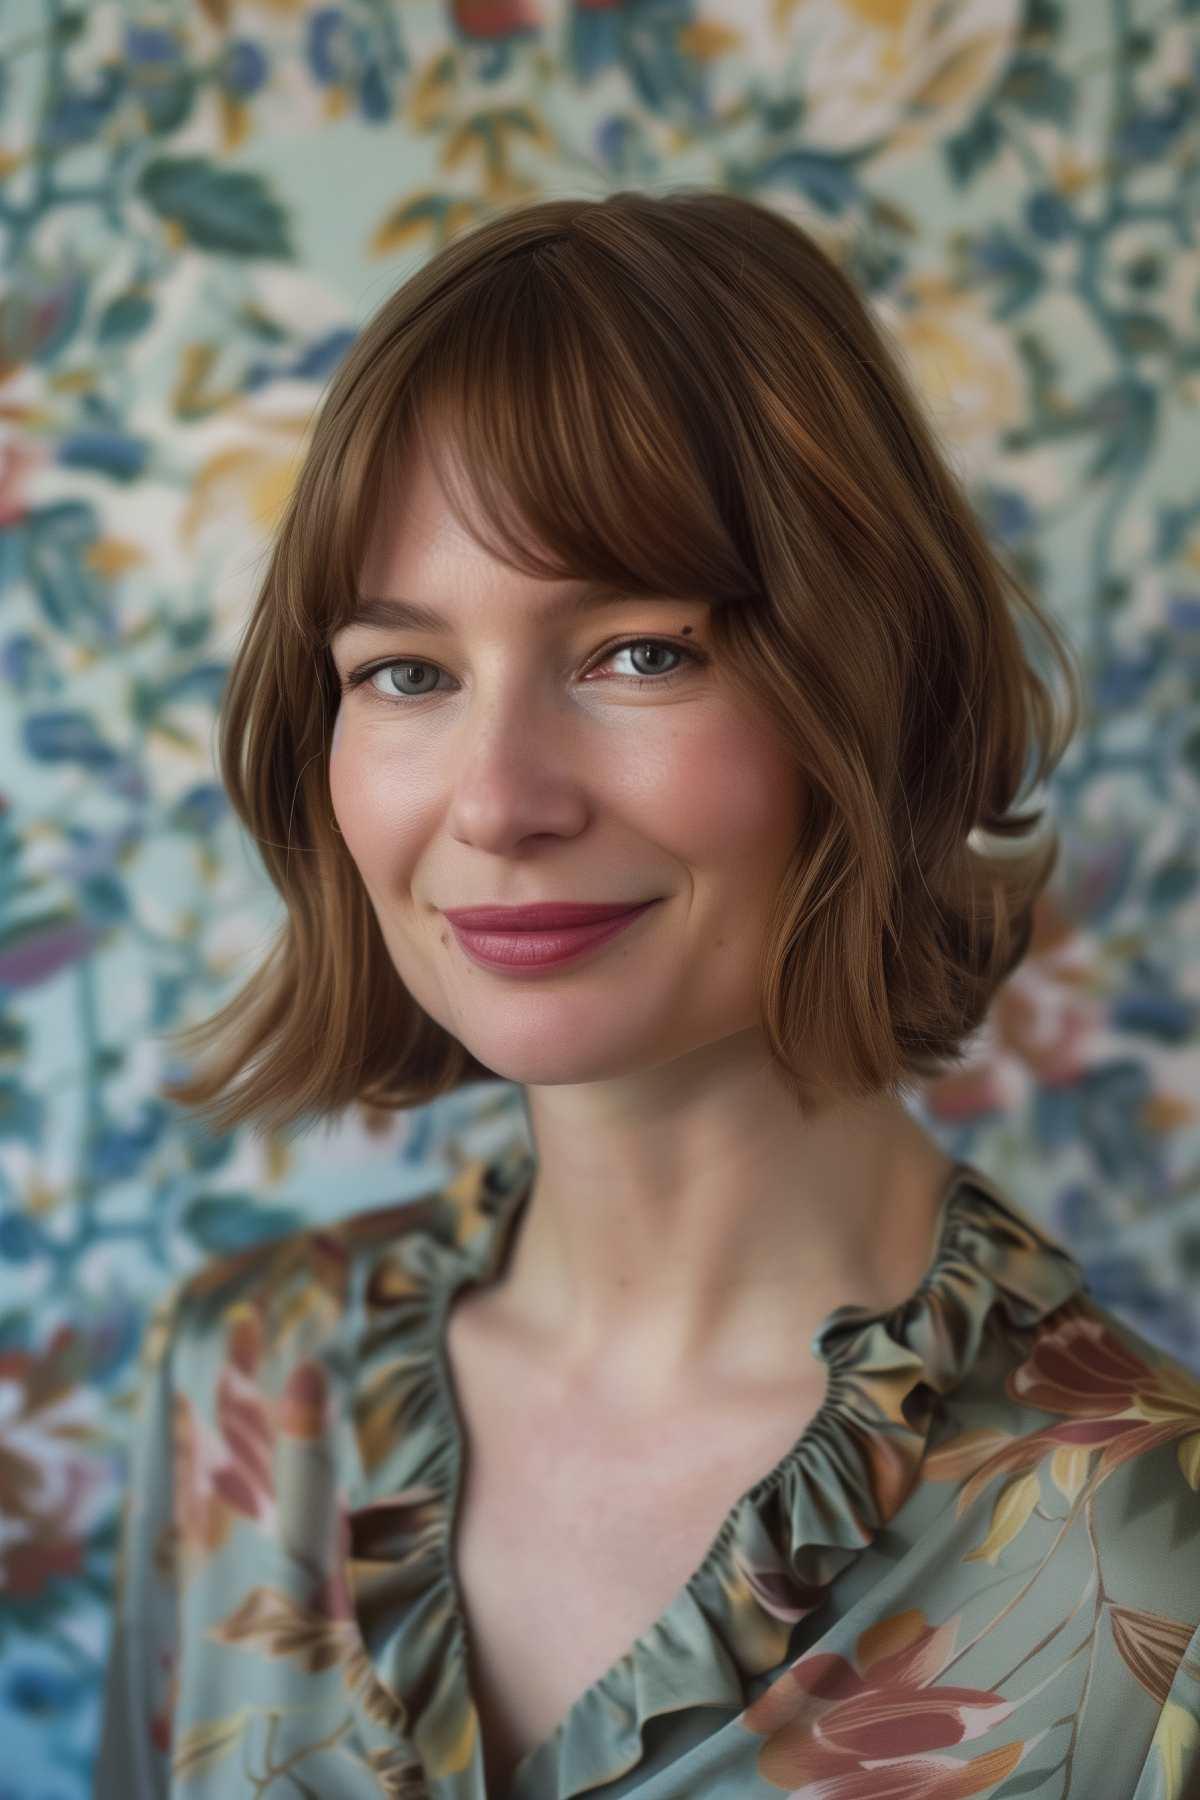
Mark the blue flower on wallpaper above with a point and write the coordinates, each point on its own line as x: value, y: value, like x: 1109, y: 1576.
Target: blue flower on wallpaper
x: 345, y: 52
x: 244, y: 68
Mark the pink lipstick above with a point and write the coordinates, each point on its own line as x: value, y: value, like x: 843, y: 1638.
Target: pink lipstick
x: 509, y: 937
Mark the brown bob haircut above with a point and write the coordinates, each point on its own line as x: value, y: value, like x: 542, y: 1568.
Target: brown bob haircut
x: 684, y: 394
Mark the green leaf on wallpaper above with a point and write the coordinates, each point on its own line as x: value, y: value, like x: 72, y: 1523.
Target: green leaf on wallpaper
x: 104, y: 899
x: 1172, y: 884
x: 203, y: 1149
x: 1043, y: 19
x: 1142, y: 331
x: 187, y: 630
x: 22, y: 1111
x: 67, y: 735
x: 972, y: 149
x: 219, y: 209
x: 1131, y: 411
x: 825, y: 177
x: 1174, y: 524
x: 1189, y: 753
x: 260, y: 324
x: 221, y: 1222
x: 1004, y: 260
x: 779, y: 113
x: 69, y: 24
x: 167, y: 103
x: 73, y: 598
x: 1038, y: 89
x: 125, y: 316
x: 202, y: 681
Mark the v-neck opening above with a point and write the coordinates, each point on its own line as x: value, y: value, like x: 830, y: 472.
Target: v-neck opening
x: 487, y: 1272
x: 781, y: 1546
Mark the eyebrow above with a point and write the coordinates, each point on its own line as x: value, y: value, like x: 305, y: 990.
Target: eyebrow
x: 396, y: 614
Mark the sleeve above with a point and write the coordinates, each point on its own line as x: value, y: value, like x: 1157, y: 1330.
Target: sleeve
x: 1172, y: 1767
x: 139, y: 1690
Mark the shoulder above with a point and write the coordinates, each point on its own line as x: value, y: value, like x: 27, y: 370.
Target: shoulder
x: 1119, y: 1475
x: 1111, y: 1390
x: 257, y: 1355
x: 295, y: 1293
x: 1098, y: 1428
x: 308, y: 1285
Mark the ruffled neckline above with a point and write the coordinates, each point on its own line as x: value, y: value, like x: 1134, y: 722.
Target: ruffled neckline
x: 782, y: 1542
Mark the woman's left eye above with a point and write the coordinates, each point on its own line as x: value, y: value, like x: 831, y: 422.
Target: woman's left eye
x: 689, y: 655
x: 396, y: 696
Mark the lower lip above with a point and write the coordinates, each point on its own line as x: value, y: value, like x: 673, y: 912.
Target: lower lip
x: 535, y: 950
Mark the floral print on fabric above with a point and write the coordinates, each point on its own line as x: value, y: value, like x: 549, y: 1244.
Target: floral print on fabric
x: 976, y: 1571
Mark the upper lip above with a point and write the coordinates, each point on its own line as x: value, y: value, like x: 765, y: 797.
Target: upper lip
x: 540, y: 917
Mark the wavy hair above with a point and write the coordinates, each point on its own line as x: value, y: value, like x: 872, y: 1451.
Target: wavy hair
x: 682, y: 393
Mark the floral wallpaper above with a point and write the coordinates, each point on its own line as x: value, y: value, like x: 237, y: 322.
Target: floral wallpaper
x: 200, y: 203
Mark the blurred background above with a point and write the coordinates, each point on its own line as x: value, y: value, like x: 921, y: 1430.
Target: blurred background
x: 201, y: 201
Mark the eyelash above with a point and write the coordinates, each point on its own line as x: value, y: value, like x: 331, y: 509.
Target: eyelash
x: 690, y: 655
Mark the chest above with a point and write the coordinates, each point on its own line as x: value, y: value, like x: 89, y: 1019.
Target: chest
x: 574, y: 1536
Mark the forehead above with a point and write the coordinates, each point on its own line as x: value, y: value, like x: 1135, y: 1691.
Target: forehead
x: 423, y: 553
x: 419, y: 544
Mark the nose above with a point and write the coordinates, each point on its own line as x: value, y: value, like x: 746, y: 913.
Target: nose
x: 519, y: 770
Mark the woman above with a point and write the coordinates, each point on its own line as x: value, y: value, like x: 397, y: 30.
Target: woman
x: 726, y: 1439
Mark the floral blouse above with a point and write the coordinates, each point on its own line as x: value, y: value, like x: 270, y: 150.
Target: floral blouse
x: 976, y: 1571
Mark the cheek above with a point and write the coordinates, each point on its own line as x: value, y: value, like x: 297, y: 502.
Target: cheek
x: 732, y: 801
x: 377, y: 804
x: 351, y: 797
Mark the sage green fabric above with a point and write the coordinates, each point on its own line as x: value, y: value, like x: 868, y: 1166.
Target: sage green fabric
x: 976, y: 1572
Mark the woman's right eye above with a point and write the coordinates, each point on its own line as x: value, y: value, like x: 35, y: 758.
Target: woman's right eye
x: 406, y: 667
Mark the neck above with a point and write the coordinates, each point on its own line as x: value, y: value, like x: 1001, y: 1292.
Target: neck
x: 700, y: 1264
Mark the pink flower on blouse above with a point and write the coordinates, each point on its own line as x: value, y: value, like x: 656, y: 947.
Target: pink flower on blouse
x: 872, y: 1729
x: 1116, y: 1399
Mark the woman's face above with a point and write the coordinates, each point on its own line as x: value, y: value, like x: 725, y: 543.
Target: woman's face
x: 527, y: 764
